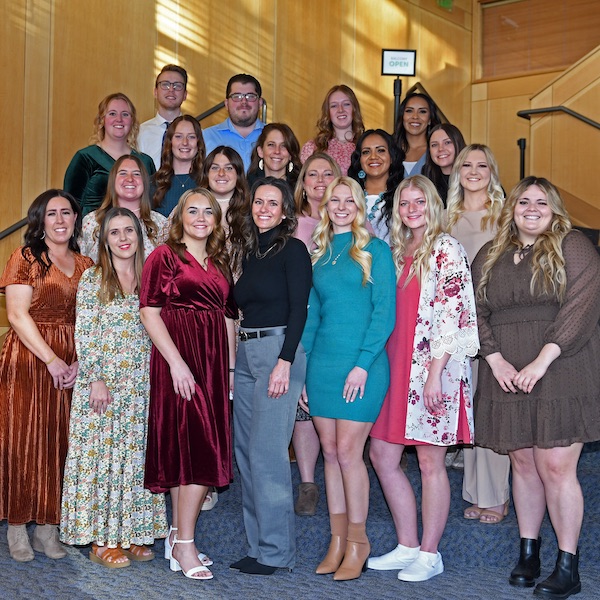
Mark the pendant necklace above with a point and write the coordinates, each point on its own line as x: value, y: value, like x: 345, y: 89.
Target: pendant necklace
x: 524, y: 251
x: 334, y: 261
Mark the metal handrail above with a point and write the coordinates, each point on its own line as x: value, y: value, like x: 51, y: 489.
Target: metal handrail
x: 218, y: 107
x: 526, y: 114
x: 14, y: 227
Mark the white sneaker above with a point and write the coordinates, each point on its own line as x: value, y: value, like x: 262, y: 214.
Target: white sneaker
x: 399, y: 558
x: 426, y: 566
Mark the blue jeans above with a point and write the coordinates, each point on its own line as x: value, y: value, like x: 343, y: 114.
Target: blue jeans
x: 262, y: 432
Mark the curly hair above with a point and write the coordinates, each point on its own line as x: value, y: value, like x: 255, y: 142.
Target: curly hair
x: 323, y: 234
x: 36, y: 233
x: 245, y: 241
x: 98, y: 134
x: 400, y: 234
x: 290, y: 141
x: 110, y: 286
x: 455, y: 202
x: 215, y: 244
x: 399, y: 137
x: 111, y: 199
x: 326, y: 131
x: 395, y: 175
x: 163, y: 178
x: 549, y: 275
x: 300, y: 199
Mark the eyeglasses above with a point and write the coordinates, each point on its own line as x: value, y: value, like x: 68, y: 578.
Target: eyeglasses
x: 239, y: 97
x: 167, y: 85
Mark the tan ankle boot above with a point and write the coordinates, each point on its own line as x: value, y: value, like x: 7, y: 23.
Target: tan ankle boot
x: 356, y: 555
x: 45, y: 539
x: 337, y: 545
x: 18, y: 543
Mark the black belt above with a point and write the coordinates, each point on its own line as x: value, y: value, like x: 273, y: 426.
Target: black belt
x: 260, y: 333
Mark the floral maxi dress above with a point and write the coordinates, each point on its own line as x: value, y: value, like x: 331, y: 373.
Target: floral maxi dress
x: 104, y: 499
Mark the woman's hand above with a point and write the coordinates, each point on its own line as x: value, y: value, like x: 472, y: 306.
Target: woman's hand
x: 503, y: 371
x: 279, y: 380
x: 432, y: 393
x: 184, y: 383
x: 303, y: 400
x: 100, y: 397
x: 355, y: 384
x: 69, y: 381
x: 60, y: 372
x: 529, y: 375
x: 231, y: 379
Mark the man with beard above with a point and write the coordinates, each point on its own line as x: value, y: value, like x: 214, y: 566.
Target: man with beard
x: 243, y: 100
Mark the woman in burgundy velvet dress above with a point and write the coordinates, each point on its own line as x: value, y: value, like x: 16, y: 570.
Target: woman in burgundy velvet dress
x: 188, y: 310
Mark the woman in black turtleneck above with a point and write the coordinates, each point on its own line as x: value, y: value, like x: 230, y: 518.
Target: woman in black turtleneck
x: 272, y: 293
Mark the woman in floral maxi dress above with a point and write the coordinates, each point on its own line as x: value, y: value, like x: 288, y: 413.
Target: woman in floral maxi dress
x: 104, y: 499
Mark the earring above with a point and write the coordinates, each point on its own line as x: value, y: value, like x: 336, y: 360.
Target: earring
x: 44, y: 234
x: 261, y: 165
x: 290, y: 166
x: 361, y: 174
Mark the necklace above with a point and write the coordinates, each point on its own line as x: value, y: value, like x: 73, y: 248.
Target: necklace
x: 261, y: 256
x: 187, y: 178
x: 373, y: 212
x: 524, y: 251
x: 334, y: 261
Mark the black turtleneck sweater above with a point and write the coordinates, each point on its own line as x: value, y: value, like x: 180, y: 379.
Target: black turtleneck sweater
x: 273, y: 291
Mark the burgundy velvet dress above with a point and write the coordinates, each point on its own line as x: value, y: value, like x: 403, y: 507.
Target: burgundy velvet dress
x: 189, y: 442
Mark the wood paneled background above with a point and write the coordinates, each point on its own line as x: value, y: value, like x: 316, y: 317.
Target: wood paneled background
x: 60, y: 57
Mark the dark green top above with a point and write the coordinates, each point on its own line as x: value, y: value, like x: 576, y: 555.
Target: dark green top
x: 87, y: 175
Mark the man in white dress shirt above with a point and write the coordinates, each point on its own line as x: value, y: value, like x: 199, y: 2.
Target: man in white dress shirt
x: 170, y: 91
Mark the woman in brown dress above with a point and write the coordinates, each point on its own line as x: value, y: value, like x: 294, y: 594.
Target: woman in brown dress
x: 38, y: 368
x: 538, y: 305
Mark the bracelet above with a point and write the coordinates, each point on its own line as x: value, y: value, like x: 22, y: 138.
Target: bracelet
x: 232, y: 370
x: 51, y: 360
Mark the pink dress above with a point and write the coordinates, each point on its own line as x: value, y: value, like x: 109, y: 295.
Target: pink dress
x: 341, y: 152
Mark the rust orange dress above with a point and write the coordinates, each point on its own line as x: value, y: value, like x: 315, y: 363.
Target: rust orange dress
x: 34, y: 415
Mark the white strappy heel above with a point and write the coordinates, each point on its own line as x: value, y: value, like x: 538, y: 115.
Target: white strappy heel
x: 175, y: 566
x: 203, y: 558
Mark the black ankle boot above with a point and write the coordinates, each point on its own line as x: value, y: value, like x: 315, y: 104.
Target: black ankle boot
x: 528, y: 567
x: 564, y: 580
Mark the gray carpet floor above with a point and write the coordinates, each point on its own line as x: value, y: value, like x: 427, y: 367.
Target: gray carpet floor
x: 477, y: 557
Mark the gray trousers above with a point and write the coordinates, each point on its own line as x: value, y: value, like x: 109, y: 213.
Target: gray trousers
x: 262, y: 432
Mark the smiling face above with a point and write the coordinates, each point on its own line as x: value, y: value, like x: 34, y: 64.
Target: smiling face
x: 532, y: 214
x: 267, y: 208
x: 474, y: 174
x: 121, y: 237
x: 129, y: 184
x: 222, y: 177
x: 197, y: 218
x: 170, y: 99
x: 316, y: 179
x: 412, y: 208
x: 117, y: 120
x: 274, y: 154
x: 375, y: 159
x: 340, y: 111
x: 59, y: 221
x: 342, y: 209
x: 243, y: 113
x: 184, y: 143
x: 416, y: 116
x: 442, y: 151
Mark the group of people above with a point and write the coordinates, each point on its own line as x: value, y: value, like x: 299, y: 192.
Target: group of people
x: 384, y: 288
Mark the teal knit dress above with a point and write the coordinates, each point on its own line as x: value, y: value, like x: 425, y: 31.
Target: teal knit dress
x: 348, y: 325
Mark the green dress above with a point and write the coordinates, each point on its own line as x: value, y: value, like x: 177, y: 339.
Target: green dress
x: 348, y: 325
x: 87, y: 175
x: 104, y: 498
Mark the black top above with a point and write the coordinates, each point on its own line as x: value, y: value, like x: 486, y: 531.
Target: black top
x: 273, y: 291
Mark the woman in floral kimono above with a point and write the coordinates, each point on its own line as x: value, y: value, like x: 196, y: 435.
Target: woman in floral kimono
x: 429, y: 402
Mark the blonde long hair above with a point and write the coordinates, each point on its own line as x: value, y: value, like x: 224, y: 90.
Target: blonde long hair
x: 548, y: 263
x: 110, y: 286
x: 323, y: 234
x: 456, y: 194
x: 400, y: 234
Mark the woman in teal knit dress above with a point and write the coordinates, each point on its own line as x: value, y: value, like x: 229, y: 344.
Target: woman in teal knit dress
x: 350, y: 317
